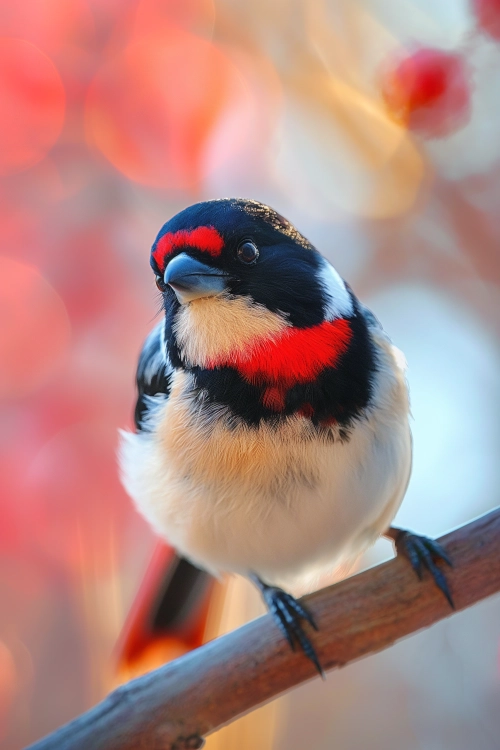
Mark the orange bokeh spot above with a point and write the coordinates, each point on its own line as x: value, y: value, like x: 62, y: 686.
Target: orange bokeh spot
x: 35, y: 329
x: 152, y: 110
x: 32, y: 102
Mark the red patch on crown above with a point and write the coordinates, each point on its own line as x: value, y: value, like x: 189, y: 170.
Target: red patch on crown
x: 297, y: 355
x: 206, y: 239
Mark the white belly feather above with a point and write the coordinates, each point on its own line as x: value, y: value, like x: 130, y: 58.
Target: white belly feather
x: 279, y: 503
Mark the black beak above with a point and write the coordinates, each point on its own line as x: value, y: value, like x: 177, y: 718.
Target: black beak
x: 190, y: 279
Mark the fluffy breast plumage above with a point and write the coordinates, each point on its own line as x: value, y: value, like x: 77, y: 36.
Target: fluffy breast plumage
x: 280, y: 498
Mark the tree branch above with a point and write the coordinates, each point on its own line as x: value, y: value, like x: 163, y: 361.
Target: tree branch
x: 209, y: 687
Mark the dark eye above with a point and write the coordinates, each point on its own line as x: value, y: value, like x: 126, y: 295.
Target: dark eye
x: 247, y: 252
x: 160, y: 283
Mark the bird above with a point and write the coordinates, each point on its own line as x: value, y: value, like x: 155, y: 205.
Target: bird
x: 272, y: 416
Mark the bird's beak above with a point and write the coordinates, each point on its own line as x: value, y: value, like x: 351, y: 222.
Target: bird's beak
x: 190, y: 279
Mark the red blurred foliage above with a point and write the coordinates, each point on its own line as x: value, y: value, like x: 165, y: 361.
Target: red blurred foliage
x: 487, y: 13
x: 37, y: 315
x: 151, y: 110
x: 32, y: 103
x: 429, y: 92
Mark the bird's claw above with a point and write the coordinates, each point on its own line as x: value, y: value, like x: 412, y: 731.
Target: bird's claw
x: 422, y: 551
x: 288, y: 613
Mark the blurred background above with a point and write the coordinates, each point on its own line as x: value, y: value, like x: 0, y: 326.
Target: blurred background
x: 374, y: 126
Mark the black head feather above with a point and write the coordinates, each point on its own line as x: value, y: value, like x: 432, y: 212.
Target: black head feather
x: 286, y: 279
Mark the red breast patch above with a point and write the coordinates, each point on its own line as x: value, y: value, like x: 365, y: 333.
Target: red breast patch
x: 206, y: 239
x: 297, y: 355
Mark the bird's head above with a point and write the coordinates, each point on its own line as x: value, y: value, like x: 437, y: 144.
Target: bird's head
x: 232, y: 271
x: 246, y: 294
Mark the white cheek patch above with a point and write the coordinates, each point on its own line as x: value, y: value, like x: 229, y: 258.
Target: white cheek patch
x: 338, y: 302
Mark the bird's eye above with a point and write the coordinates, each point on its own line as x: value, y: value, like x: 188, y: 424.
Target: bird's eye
x: 247, y: 252
x: 160, y: 283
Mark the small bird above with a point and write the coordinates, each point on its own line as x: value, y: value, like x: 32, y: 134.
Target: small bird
x: 272, y: 415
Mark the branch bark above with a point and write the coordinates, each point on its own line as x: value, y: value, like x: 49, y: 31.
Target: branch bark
x: 198, y: 693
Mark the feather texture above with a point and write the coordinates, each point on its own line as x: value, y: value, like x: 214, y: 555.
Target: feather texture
x: 283, y: 503
x: 273, y: 418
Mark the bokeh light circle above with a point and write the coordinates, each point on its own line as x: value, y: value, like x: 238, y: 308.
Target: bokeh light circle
x: 347, y: 155
x: 429, y: 91
x: 32, y: 105
x: 151, y: 110
x: 35, y: 330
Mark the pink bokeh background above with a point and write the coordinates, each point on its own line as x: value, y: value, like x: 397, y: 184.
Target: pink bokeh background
x: 348, y: 118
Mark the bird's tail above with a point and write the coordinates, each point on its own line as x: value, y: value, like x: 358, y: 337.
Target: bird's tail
x: 168, y: 616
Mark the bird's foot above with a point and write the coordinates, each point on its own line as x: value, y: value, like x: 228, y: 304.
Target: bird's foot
x: 288, y: 613
x: 423, y: 552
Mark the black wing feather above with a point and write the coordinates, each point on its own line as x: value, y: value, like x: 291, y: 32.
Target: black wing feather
x: 154, y: 373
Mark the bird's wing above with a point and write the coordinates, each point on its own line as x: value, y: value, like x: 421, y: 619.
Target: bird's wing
x: 168, y: 616
x: 371, y: 319
x: 154, y: 373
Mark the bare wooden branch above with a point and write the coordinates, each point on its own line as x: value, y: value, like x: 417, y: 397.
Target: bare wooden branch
x: 200, y: 692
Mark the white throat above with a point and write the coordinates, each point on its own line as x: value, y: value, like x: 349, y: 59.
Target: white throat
x: 221, y: 327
